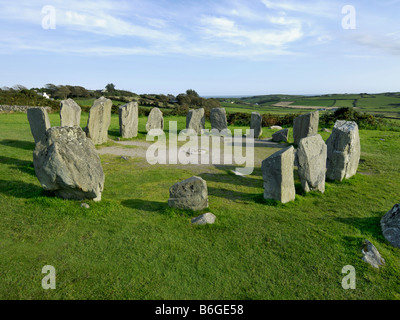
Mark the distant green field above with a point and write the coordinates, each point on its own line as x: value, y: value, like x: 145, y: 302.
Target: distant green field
x: 231, y: 108
x: 340, y: 103
x: 312, y: 102
x: 386, y: 105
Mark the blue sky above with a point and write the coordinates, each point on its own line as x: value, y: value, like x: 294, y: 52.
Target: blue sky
x: 219, y: 47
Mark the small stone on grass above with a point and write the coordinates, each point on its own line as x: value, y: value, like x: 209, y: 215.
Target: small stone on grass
x: 207, y: 218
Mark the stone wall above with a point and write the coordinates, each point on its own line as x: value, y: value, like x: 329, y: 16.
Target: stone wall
x: 8, y: 109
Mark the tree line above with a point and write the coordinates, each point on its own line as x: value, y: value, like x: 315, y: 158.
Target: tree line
x: 180, y: 104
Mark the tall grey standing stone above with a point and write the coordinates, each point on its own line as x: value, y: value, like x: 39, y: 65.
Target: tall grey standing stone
x: 155, y: 121
x: 281, y: 135
x: 129, y: 120
x: 189, y: 194
x: 218, y: 119
x: 99, y: 120
x: 39, y: 122
x: 305, y: 125
x: 256, y: 124
x: 311, y: 161
x: 278, y: 176
x: 70, y: 113
x: 344, y: 151
x: 66, y: 162
x: 196, y: 120
x: 390, y: 225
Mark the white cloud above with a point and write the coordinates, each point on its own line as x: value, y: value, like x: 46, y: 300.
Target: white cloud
x: 228, y: 31
x: 312, y: 8
x: 106, y: 24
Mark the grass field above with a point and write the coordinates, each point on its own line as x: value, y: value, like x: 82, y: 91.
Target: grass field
x: 386, y: 105
x: 232, y: 108
x: 314, y: 102
x: 131, y: 245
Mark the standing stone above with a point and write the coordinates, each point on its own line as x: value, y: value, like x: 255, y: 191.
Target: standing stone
x: 66, y: 162
x: 196, y: 120
x: 343, y: 151
x: 39, y: 122
x: 281, y: 135
x: 311, y: 161
x: 278, y: 177
x: 99, y: 120
x: 129, y: 120
x: 155, y: 121
x: 256, y: 124
x: 390, y: 225
x: 218, y: 119
x: 70, y: 113
x: 305, y: 125
x: 189, y: 194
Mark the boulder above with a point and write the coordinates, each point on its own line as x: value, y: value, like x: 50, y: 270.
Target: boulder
x: 70, y: 113
x: 196, y: 120
x: 155, y: 121
x: 277, y: 171
x: 276, y: 128
x: 39, y: 122
x: 311, y: 162
x: 129, y: 120
x: 343, y: 151
x: 189, y: 194
x: 218, y: 119
x: 281, y: 135
x: 99, y: 120
x: 390, y: 225
x: 371, y: 255
x: 66, y: 162
x: 207, y: 218
x: 305, y: 125
x: 256, y: 124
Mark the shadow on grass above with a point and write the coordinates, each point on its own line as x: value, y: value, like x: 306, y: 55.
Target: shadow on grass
x: 153, y: 206
x: 231, y: 178
x: 20, y: 189
x: 369, y: 227
x: 271, y: 144
x: 233, y: 195
x: 21, y: 165
x: 160, y: 207
x: 25, y: 145
x: 114, y: 133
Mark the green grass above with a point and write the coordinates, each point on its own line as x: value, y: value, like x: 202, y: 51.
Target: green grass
x: 131, y: 245
x: 232, y: 108
x: 379, y: 104
x: 343, y: 103
x: 312, y: 102
x: 386, y: 105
